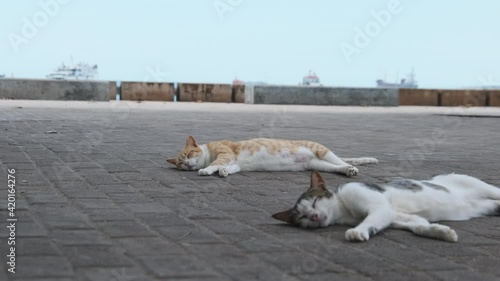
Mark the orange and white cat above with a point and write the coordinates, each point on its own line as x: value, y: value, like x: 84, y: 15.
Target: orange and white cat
x: 227, y: 157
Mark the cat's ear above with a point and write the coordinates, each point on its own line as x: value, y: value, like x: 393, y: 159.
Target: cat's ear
x: 190, y: 141
x: 286, y: 216
x: 317, y: 181
x: 172, y: 161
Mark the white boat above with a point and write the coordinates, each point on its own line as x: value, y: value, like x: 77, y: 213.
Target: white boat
x: 311, y: 80
x: 79, y: 71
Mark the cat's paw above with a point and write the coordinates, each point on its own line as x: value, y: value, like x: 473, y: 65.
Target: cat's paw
x: 354, y: 235
x: 450, y: 235
x: 203, y: 172
x: 223, y: 172
x: 351, y: 171
x: 443, y: 232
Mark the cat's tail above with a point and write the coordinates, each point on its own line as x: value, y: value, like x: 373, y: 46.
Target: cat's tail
x: 360, y: 161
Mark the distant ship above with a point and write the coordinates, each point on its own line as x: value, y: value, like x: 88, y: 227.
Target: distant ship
x: 409, y: 82
x: 79, y: 71
x: 311, y: 80
x: 237, y: 81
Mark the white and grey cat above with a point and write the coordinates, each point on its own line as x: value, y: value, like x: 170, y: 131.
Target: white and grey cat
x: 402, y: 204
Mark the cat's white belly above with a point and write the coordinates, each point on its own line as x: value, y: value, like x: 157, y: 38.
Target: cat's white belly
x: 435, y: 205
x: 280, y: 161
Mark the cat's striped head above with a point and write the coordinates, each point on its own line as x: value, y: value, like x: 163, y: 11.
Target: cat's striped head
x: 310, y: 211
x: 190, y: 158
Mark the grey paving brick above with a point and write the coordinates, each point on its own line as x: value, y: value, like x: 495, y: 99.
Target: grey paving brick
x: 157, y: 194
x: 483, y: 264
x: 102, y: 215
x: 28, y: 246
x: 45, y: 279
x: 225, y: 226
x: 116, y: 274
x: 129, y: 197
x: 149, y: 246
x: 96, y: 256
x: 144, y: 207
x: 41, y: 198
x: 189, y: 234
x: 30, y: 229
x: 63, y: 218
x: 254, y: 242
x: 341, y: 276
x: 101, y: 179
x: 403, y: 273
x: 140, y: 163
x: 115, y: 188
x: 222, y: 255
x: 78, y: 194
x: 259, y: 272
x: 94, y: 203
x: 297, y: 263
x: 194, y: 209
x: 119, y: 167
x: 117, y: 229
x: 78, y: 237
x: 463, y: 275
x: 131, y: 176
x: 59, y: 172
x: 83, y: 163
x: 179, y: 266
x: 46, y: 267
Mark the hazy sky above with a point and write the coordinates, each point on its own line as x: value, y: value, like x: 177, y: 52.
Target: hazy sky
x: 348, y: 43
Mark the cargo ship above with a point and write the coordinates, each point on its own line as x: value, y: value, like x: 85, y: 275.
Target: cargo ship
x: 408, y: 82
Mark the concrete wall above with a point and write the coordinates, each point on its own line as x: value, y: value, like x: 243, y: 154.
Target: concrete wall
x: 146, y: 91
x: 249, y: 93
x: 325, y: 96
x: 205, y: 92
x: 424, y: 97
x: 448, y: 97
x: 238, y: 94
x: 113, y: 91
x: 463, y: 97
x: 494, y: 97
x: 33, y: 89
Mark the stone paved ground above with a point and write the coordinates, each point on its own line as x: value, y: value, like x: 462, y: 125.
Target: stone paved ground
x: 96, y: 200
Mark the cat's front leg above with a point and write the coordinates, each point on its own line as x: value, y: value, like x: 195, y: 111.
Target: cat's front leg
x: 375, y: 222
x: 208, y: 170
x: 228, y: 170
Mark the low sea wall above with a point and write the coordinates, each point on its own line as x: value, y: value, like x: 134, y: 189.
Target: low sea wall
x: 325, y: 96
x: 449, y: 97
x: 34, y: 89
x: 39, y: 89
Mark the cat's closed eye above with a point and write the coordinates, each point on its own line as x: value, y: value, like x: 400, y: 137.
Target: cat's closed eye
x: 314, y: 203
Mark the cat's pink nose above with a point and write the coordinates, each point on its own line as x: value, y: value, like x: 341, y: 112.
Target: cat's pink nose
x: 314, y: 217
